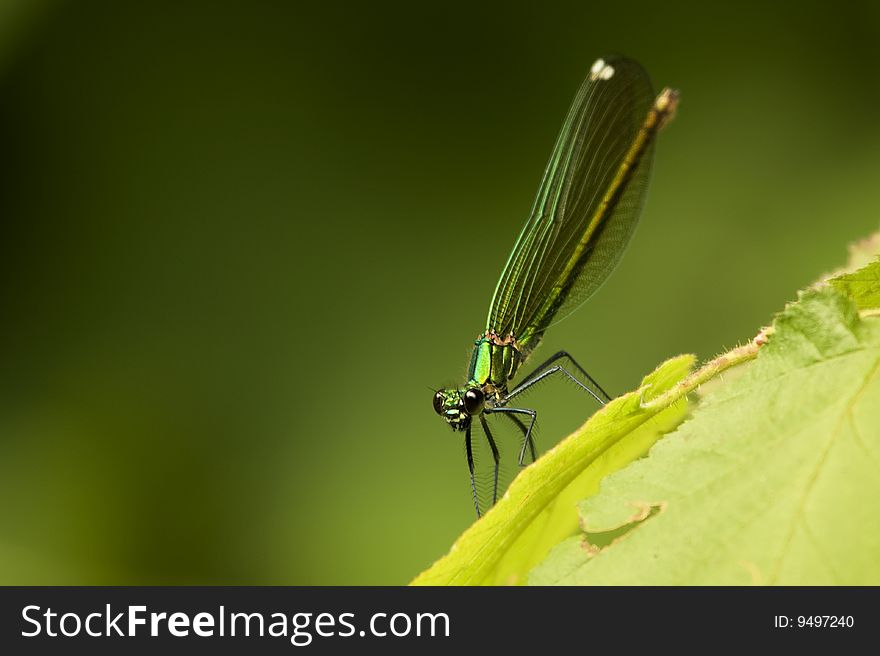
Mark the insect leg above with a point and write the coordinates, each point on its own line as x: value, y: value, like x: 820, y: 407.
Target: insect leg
x: 525, y: 432
x: 565, y: 354
x: 536, y: 378
x: 494, y: 456
x: 470, y: 459
x: 528, y: 438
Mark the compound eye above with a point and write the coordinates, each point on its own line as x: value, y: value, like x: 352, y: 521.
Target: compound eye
x: 474, y: 401
x: 439, y: 400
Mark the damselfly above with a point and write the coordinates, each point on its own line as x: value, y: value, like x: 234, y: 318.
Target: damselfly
x: 585, y: 212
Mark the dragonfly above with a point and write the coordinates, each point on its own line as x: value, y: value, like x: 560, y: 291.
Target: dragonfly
x: 585, y: 212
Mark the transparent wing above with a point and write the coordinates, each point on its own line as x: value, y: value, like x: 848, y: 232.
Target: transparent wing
x: 576, y: 233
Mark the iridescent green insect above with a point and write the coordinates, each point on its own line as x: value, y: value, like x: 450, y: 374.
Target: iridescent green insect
x: 586, y: 210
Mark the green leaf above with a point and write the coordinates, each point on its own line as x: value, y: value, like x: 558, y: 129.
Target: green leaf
x: 863, y: 286
x: 773, y: 481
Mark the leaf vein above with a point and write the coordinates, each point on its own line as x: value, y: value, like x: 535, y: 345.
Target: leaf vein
x: 811, y: 481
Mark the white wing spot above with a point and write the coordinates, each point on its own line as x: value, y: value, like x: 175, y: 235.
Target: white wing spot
x: 601, y: 71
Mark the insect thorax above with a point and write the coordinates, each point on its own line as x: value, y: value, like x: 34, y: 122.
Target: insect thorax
x: 494, y: 362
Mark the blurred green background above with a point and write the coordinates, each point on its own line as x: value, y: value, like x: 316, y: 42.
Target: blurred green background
x: 232, y: 234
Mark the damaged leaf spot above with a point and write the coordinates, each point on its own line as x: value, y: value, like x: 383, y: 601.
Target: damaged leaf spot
x: 596, y: 541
